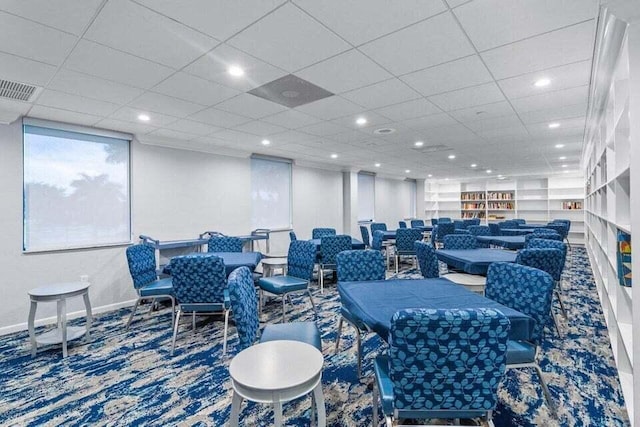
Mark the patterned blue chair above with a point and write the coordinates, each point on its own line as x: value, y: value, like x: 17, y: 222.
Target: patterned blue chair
x: 561, y: 228
x: 443, y: 230
x: 225, y: 244
x: 365, y: 236
x: 442, y: 364
x: 244, y: 306
x: 460, y: 241
x: 330, y: 246
x: 544, y: 230
x: 405, y: 239
x: 434, y: 221
x: 444, y: 220
x: 528, y: 290
x: 520, y: 221
x: 458, y: 224
x: 300, y: 262
x: 402, y: 224
x: 357, y: 266
x: 427, y: 260
x: 378, y: 226
x: 480, y: 230
x: 495, y: 229
x: 292, y: 236
x: 319, y: 233
x: 415, y: 223
x: 546, y: 236
x: 200, y: 286
x: 141, y: 259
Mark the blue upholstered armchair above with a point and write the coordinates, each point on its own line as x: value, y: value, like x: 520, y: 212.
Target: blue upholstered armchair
x: 330, y: 246
x: 378, y: 226
x: 200, y: 286
x: 441, y: 364
x: 300, y: 262
x: 415, y: 223
x: 292, y: 236
x: 444, y: 220
x: 480, y: 230
x: 358, y: 266
x: 460, y: 241
x: 427, y: 260
x: 495, y: 229
x: 405, y: 239
x: 319, y: 233
x: 141, y: 259
x: 365, y: 236
x: 434, y: 221
x: 224, y: 244
x: 528, y: 290
x: 546, y: 236
x: 459, y: 224
x: 443, y: 230
x: 378, y: 239
x: 402, y: 224
x: 519, y: 221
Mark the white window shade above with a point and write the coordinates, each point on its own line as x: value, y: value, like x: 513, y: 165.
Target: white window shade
x: 270, y: 193
x: 366, y: 197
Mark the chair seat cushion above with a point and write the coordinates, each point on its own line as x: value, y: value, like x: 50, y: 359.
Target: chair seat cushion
x: 282, y: 284
x: 520, y: 352
x: 306, y: 332
x: 158, y: 287
x: 385, y: 385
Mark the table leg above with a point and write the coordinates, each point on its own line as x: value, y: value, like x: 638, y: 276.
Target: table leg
x: 32, y: 330
x: 235, y: 410
x: 62, y: 313
x: 319, y: 398
x: 87, y: 305
x: 277, y: 414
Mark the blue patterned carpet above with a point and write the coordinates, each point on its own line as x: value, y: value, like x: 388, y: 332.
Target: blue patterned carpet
x: 129, y: 378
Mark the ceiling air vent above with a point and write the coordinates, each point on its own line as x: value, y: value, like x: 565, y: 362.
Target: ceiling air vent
x: 15, y: 90
x: 433, y: 148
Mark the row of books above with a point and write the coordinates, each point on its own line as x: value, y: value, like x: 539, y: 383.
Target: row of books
x: 469, y: 215
x: 500, y: 196
x: 501, y: 205
x: 473, y: 206
x: 473, y: 196
x: 571, y: 205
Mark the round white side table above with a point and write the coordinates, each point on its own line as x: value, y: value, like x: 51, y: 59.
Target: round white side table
x: 269, y: 265
x: 58, y: 292
x: 276, y: 372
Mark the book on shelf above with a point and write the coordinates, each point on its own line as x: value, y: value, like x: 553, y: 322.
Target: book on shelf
x: 571, y: 205
x: 473, y: 196
x: 501, y: 205
x: 467, y: 206
x: 624, y: 258
x: 501, y: 195
x: 469, y: 215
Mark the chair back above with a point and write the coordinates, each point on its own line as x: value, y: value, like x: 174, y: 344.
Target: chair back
x: 479, y: 230
x: 544, y: 230
x: 198, y: 279
x: 330, y: 246
x: 417, y: 223
x: 365, y: 235
x: 402, y: 224
x: 378, y: 226
x: 508, y: 224
x: 360, y: 265
x: 526, y: 289
x: 567, y: 222
x: 406, y: 237
x: 225, y: 244
x: 520, y: 221
x: 244, y: 305
x: 459, y: 224
x: 545, y: 259
x: 447, y: 363
x: 546, y: 236
x: 546, y: 243
x: 427, y: 260
x: 444, y: 229
x: 495, y: 229
x: 301, y: 259
x: 292, y: 236
x: 319, y: 233
x: 444, y: 220
x: 460, y: 241
x: 560, y: 228
x: 142, y: 264
x: 466, y: 223
x: 378, y: 238
x: 434, y: 221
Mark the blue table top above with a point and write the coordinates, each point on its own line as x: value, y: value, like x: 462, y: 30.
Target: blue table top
x: 389, y: 235
x: 474, y: 261
x: 374, y: 302
x: 508, y: 242
x: 516, y: 231
x: 232, y: 260
x: 355, y: 243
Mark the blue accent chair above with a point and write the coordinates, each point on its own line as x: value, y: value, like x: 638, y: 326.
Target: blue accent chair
x: 444, y: 220
x: 141, y: 259
x: 528, y: 290
x: 378, y: 226
x: 444, y: 229
x: 200, y: 286
x: 402, y: 224
x: 244, y: 306
x: 415, y: 223
x: 434, y: 221
x: 495, y: 229
x: 427, y: 260
x: 546, y: 236
x: 292, y: 236
x: 562, y: 228
x: 358, y: 266
x: 300, y: 262
x: 405, y: 239
x: 480, y: 230
x: 544, y: 230
x: 365, y: 236
x: 319, y: 233
x: 520, y: 221
x: 460, y: 241
x: 330, y: 246
x: 378, y: 239
x: 459, y: 224
x: 224, y: 244
x: 442, y: 364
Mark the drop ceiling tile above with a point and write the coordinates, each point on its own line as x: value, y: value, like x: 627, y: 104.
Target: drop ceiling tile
x: 163, y: 104
x: 409, y: 110
x: 554, y: 114
x: 352, y: 137
x: 492, y: 23
x: 323, y: 129
x: 219, y: 118
x: 291, y: 136
x: 422, y: 45
x: 494, y: 123
x: 338, y: 74
x: 11, y: 110
x: 65, y: 101
x: 518, y: 132
x: 93, y: 87
x: 456, y: 3
x: 468, y: 97
x: 560, y: 47
x: 331, y: 108
x: 34, y: 41
x: 172, y: 134
x: 464, y: 72
x: 559, y: 98
x: 487, y: 111
x: 291, y: 119
x: 129, y: 27
x: 430, y: 121
x: 25, y: 70
x: 123, y: 126
x: 194, y: 89
x: 129, y: 114
x: 250, y: 106
x: 65, y: 116
x: 571, y: 126
x: 110, y: 64
x: 237, y: 137
x: 381, y: 94
x: 259, y: 128
x: 193, y: 127
x: 71, y: 16
x: 373, y: 120
x: 562, y: 77
x: 265, y: 39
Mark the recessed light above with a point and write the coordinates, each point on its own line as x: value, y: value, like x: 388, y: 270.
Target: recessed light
x: 451, y: 156
x: 500, y: 176
x: 361, y: 121
x: 407, y: 171
x: 235, y: 71
x: 144, y: 117
x: 446, y: 179
x: 565, y: 171
x: 559, y: 145
x: 542, y: 82
x: 564, y: 166
x: 334, y: 156
x: 266, y: 142
x: 562, y: 158
x: 473, y: 165
x: 429, y: 176
x: 554, y: 125
x: 418, y: 143
x: 384, y: 131
x: 377, y: 165
x: 489, y: 171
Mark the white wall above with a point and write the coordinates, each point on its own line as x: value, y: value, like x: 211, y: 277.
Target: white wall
x: 392, y: 201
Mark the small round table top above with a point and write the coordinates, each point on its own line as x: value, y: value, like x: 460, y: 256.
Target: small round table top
x: 276, y: 365
x: 55, y: 289
x: 274, y: 261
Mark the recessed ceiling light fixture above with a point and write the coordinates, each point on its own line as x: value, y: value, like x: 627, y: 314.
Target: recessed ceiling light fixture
x: 446, y: 179
x: 361, y: 121
x: 565, y: 171
x: 407, y: 171
x: 474, y: 165
x: 542, y: 82
x: 559, y: 145
x: 266, y: 142
x: 452, y: 156
x: 562, y: 158
x: 564, y: 166
x: 334, y: 156
x: 489, y: 171
x: 429, y: 176
x: 144, y: 117
x: 377, y: 165
x: 555, y: 125
x: 418, y: 143
x: 235, y: 71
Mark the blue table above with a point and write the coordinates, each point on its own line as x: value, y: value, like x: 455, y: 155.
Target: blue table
x: 389, y: 235
x: 355, y: 244
x: 507, y: 242
x: 374, y: 302
x: 232, y: 260
x: 516, y: 231
x: 474, y: 261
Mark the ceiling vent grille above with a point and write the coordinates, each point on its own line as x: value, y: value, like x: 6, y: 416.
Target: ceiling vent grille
x: 15, y: 90
x: 433, y: 148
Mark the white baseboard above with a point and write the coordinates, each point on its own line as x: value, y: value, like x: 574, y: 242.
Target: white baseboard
x: 74, y: 315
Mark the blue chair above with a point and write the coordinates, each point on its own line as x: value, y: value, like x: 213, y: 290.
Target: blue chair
x: 459, y: 224
x: 405, y: 239
x: 378, y: 240
x: 544, y: 230
x: 460, y: 241
x: 330, y: 246
x: 528, y: 290
x: 466, y: 223
x: 520, y: 221
x: 365, y: 236
x: 358, y: 266
x: 444, y: 229
x: 427, y: 260
x: 495, y: 229
x: 546, y: 236
x: 561, y: 228
x: 442, y: 364
x: 415, y: 223
x: 434, y: 221
x: 244, y: 306
x: 141, y: 259
x: 402, y: 224
x: 378, y: 226
x: 480, y: 230
x: 319, y: 233
x: 200, y: 286
x: 224, y: 244
x: 292, y: 236
x: 444, y: 220
x: 300, y: 262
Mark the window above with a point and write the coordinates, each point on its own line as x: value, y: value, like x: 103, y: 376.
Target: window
x: 366, y: 196
x: 270, y: 193
x: 413, y: 190
x: 76, y: 188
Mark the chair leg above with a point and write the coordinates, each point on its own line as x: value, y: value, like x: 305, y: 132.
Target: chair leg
x: 397, y: 262
x: 173, y: 310
x: 556, y: 324
x: 175, y: 331
x: 545, y: 389
x: 135, y: 307
x: 284, y: 297
x: 359, y: 351
x: 321, y: 279
x: 193, y: 322
x: 312, y: 303
x: 226, y: 330
x: 339, y: 332
x: 559, y: 295
x: 374, y: 421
